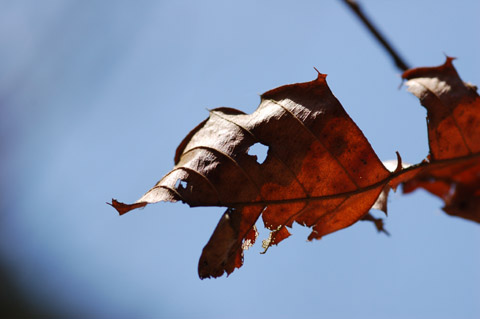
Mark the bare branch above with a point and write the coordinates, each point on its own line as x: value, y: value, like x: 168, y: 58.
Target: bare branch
x: 399, y: 62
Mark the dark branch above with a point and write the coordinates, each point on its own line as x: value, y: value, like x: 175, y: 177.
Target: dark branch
x: 399, y: 62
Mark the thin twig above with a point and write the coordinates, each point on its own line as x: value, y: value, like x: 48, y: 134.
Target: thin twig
x: 399, y: 62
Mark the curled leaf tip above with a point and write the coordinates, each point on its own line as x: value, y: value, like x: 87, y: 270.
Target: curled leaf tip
x: 320, y: 76
x: 449, y: 59
x: 399, y: 163
x: 125, y: 208
x: 378, y: 223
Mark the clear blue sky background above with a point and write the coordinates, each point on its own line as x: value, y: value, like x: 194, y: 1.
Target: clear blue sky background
x: 95, y: 96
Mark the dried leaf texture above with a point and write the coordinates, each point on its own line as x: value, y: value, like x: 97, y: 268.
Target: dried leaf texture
x: 453, y: 114
x: 320, y: 171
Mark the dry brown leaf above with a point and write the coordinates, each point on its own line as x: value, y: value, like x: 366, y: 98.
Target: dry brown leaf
x: 453, y: 109
x: 320, y: 170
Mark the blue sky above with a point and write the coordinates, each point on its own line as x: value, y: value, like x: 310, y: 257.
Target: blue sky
x: 95, y: 96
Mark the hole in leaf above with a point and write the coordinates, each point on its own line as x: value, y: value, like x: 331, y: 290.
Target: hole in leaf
x: 181, y: 184
x: 260, y: 151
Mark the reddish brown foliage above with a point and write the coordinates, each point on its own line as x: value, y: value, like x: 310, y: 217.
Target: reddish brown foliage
x: 320, y: 171
x: 453, y: 112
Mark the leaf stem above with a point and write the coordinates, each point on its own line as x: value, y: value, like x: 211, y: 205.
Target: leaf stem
x: 399, y: 62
